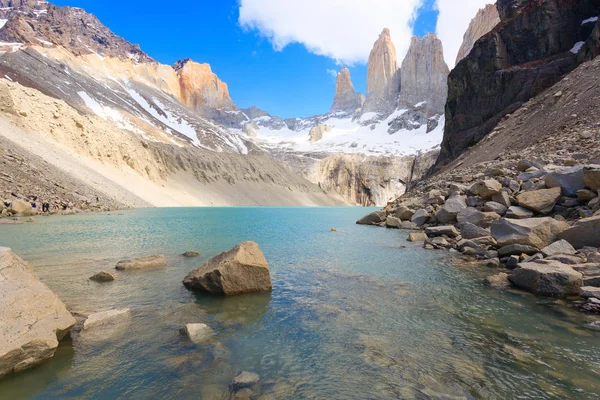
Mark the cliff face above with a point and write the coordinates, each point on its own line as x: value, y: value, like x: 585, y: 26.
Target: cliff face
x: 529, y: 51
x: 485, y: 20
x: 424, y: 73
x: 200, y: 88
x: 346, y: 99
x: 383, y: 80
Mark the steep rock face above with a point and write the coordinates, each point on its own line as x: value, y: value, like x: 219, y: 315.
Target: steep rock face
x: 201, y: 88
x: 38, y: 23
x: 383, y: 80
x: 529, y: 51
x: 424, y: 73
x: 346, y: 99
x: 485, y: 20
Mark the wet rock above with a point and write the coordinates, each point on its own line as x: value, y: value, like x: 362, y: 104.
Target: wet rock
x: 585, y: 232
x: 107, y: 318
x: 448, y: 230
x: 148, y: 262
x: 242, y: 269
x: 486, y: 189
x: 476, y: 217
x: 374, y: 218
x: 197, y: 333
x: 499, y: 281
x: 516, y: 212
x: 438, y: 242
x: 417, y: 237
x: 547, y: 278
x: 517, y: 250
x: 103, y: 276
x: 420, y: 217
x: 591, y: 177
x: 191, y: 253
x: 570, y: 180
x: 540, y: 201
x: 590, y: 291
x: 492, y: 262
x: 450, y: 209
x: 535, y: 232
x: 408, y: 225
x: 471, y: 231
x: 558, y: 247
x: 33, y: 319
x: 245, y: 380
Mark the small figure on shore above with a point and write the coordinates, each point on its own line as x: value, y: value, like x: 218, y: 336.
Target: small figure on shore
x: 45, y: 207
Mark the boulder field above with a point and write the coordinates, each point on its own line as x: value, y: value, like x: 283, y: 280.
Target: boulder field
x: 242, y: 269
x: 537, y: 224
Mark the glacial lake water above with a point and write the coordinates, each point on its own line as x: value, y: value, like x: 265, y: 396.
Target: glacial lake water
x: 355, y: 314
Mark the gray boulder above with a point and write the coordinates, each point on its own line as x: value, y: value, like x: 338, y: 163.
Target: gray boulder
x: 471, y: 231
x: 420, y: 217
x: 591, y: 177
x: 525, y: 176
x: 502, y: 198
x: 393, y: 222
x: 33, y: 319
x: 103, y: 276
x: 450, y: 209
x: 535, y: 232
x: 570, y: 180
x: 107, y: 318
x: 516, y: 212
x: 558, y: 247
x: 547, y: 278
x: 197, y: 333
x: 242, y: 269
x: 585, y: 232
x: 374, y: 218
x: 590, y: 291
x: 540, y: 201
x: 408, y: 225
x: 149, y: 262
x: 404, y: 213
x: 476, y: 217
x: 492, y: 206
x: 448, y: 230
x: 516, y: 250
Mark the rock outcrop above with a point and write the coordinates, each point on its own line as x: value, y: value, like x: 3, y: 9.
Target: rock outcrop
x: 33, y: 318
x: 346, y: 99
x: 529, y: 51
x: 383, y: 78
x: 424, y: 74
x: 547, y: 278
x: 318, y: 132
x: 242, y: 269
x: 485, y: 20
x: 148, y: 262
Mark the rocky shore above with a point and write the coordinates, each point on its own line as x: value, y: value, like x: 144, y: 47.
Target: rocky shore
x: 534, y: 223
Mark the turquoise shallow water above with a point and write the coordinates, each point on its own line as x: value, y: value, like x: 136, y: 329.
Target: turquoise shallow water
x: 354, y: 314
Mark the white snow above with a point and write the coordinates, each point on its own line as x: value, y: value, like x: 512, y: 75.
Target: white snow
x: 351, y: 137
x: 420, y: 104
x: 3, y: 22
x: 13, y: 46
x: 44, y: 42
x: 577, y: 47
x: 368, y: 116
x: 587, y: 21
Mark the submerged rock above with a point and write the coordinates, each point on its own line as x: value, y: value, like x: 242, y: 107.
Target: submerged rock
x: 242, y: 269
x: 103, y: 276
x: 32, y: 318
x: 245, y: 380
x: 197, y: 333
x: 417, y: 237
x: 106, y: 318
x: 155, y: 261
x: 191, y: 253
x: 499, y: 281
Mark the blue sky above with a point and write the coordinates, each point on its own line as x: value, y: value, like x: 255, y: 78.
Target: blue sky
x: 292, y: 82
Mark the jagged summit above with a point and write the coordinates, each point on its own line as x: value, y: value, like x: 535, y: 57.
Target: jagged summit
x: 346, y: 99
x: 424, y: 74
x: 383, y: 79
x: 485, y: 20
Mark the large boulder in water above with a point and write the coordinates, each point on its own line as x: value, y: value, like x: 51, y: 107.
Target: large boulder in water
x: 156, y: 261
x: 585, y: 232
x: 242, y: 269
x: 21, y: 207
x: 374, y: 218
x: 547, y: 278
x: 32, y: 318
x: 536, y: 232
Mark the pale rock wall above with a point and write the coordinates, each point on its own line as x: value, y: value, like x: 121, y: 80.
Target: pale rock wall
x: 485, y: 20
x: 383, y: 80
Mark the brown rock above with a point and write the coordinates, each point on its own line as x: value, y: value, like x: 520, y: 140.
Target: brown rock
x: 200, y: 88
x: 156, y: 261
x: 383, y: 80
x: 540, y: 201
x: 536, y: 232
x: 547, y: 278
x: 485, y: 20
x: 242, y: 269
x: 591, y: 177
x: 103, y: 276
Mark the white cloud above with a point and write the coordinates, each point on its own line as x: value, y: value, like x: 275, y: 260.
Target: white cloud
x: 453, y: 22
x: 333, y: 73
x: 343, y: 30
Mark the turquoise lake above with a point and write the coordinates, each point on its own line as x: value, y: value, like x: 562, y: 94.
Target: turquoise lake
x: 355, y: 314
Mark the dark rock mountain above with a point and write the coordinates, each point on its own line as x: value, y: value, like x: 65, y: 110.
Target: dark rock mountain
x: 535, y: 44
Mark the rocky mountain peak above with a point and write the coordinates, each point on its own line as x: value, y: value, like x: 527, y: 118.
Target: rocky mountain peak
x: 485, y: 20
x: 346, y: 99
x: 507, y: 9
x: 201, y: 89
x: 424, y: 74
x: 383, y: 80
x: 37, y: 22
